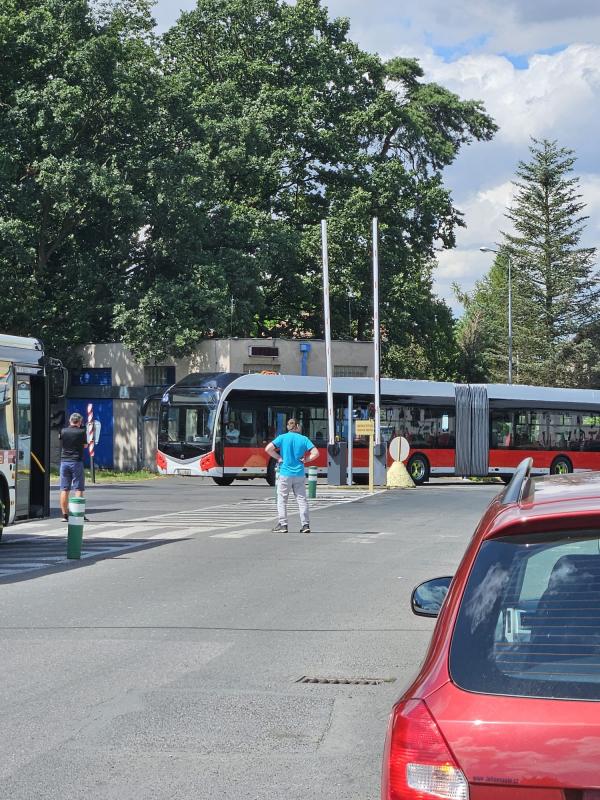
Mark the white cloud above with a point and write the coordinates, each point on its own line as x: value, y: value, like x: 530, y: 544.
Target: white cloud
x: 494, y: 26
x: 556, y: 93
x: 484, y: 212
x: 590, y: 189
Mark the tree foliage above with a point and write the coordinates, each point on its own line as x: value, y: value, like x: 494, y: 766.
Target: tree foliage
x: 554, y: 283
x: 148, y: 181
x: 77, y: 108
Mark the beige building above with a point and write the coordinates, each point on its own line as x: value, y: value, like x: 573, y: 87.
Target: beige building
x: 115, y: 384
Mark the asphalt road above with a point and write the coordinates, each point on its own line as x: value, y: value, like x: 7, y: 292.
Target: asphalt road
x: 168, y: 666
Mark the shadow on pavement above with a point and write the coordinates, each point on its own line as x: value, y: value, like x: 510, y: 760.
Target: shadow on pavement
x: 27, y: 556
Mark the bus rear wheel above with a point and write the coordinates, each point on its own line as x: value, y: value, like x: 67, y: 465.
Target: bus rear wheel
x: 561, y: 466
x: 223, y: 481
x: 418, y: 468
x: 271, y: 472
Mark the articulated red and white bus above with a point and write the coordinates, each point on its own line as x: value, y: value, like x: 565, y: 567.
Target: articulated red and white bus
x: 217, y: 425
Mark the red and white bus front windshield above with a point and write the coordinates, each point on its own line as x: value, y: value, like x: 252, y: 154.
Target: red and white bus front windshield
x: 186, y: 432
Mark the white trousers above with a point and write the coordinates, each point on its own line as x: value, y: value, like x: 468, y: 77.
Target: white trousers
x: 298, y: 487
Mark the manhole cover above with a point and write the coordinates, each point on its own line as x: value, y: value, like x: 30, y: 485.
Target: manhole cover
x: 345, y: 681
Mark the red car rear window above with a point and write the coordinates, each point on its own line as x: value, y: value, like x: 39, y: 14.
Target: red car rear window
x: 529, y: 620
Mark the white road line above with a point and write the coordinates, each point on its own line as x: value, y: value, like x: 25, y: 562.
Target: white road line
x: 240, y: 534
x: 177, y: 524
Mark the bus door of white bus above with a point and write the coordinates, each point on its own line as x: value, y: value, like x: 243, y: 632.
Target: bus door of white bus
x: 23, y: 445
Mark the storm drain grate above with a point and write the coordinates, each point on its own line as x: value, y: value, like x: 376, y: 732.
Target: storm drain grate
x: 346, y: 681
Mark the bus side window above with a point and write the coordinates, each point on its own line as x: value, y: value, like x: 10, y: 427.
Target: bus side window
x: 501, y: 430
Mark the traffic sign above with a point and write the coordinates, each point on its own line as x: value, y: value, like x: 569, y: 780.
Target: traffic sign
x: 399, y: 448
x: 365, y: 427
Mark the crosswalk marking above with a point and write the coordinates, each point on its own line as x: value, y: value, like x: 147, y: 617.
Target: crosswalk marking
x: 41, y: 544
x: 16, y: 556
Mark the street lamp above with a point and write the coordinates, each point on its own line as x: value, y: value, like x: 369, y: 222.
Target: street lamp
x: 510, y: 358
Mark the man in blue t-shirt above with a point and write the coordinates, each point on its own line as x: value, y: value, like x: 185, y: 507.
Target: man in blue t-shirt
x: 292, y: 458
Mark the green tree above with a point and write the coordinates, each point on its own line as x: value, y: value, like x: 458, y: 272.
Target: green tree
x: 477, y: 330
x: 77, y: 118
x: 555, y: 280
x: 554, y: 283
x: 281, y: 120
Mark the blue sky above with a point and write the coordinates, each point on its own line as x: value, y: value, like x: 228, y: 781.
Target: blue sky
x: 535, y: 64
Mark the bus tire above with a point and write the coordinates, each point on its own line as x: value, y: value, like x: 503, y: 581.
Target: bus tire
x: 271, y: 472
x: 223, y: 481
x: 418, y: 468
x: 506, y: 477
x: 561, y: 466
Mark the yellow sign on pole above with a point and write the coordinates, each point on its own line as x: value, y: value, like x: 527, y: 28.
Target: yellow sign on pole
x: 365, y: 427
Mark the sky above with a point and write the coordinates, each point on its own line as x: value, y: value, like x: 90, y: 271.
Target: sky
x: 535, y: 65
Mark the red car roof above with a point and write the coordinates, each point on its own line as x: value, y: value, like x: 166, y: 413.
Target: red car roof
x: 557, y: 501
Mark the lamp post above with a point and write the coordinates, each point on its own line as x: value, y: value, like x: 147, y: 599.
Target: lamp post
x: 510, y: 343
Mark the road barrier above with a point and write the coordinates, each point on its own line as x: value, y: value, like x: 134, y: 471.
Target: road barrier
x: 75, y: 529
x: 312, y: 482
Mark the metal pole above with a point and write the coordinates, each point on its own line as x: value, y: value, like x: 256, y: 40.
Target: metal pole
x: 510, y: 342
x: 90, y: 431
x: 376, y: 333
x: 330, y: 421
x: 350, y: 438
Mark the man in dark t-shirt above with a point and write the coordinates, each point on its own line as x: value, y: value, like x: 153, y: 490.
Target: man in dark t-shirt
x: 72, y: 476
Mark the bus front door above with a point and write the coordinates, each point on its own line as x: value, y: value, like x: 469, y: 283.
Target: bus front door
x: 23, y: 445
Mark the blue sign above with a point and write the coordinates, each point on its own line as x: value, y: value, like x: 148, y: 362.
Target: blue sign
x: 94, y: 376
x: 103, y: 412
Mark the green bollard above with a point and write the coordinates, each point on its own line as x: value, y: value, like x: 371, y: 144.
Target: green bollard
x: 75, y: 529
x: 312, y: 482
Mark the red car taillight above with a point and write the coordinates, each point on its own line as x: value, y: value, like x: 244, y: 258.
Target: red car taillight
x: 418, y: 764
x: 161, y: 461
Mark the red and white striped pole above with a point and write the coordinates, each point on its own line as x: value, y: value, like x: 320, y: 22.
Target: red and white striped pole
x: 90, y: 438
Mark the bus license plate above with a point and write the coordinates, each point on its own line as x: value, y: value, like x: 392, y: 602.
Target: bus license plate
x: 185, y: 472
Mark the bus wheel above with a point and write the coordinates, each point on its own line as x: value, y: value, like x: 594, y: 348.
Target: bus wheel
x: 418, y: 468
x: 223, y: 481
x: 271, y: 472
x: 561, y: 466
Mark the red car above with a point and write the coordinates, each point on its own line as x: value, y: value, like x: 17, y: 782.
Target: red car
x: 506, y: 705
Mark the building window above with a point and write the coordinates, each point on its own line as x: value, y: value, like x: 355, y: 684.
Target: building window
x: 262, y: 367
x: 159, y: 376
x: 92, y: 376
x: 349, y: 371
x: 261, y: 352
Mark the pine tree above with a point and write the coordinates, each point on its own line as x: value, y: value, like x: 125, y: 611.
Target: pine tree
x: 555, y: 285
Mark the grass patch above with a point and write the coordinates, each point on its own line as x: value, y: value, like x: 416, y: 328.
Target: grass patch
x: 111, y: 475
